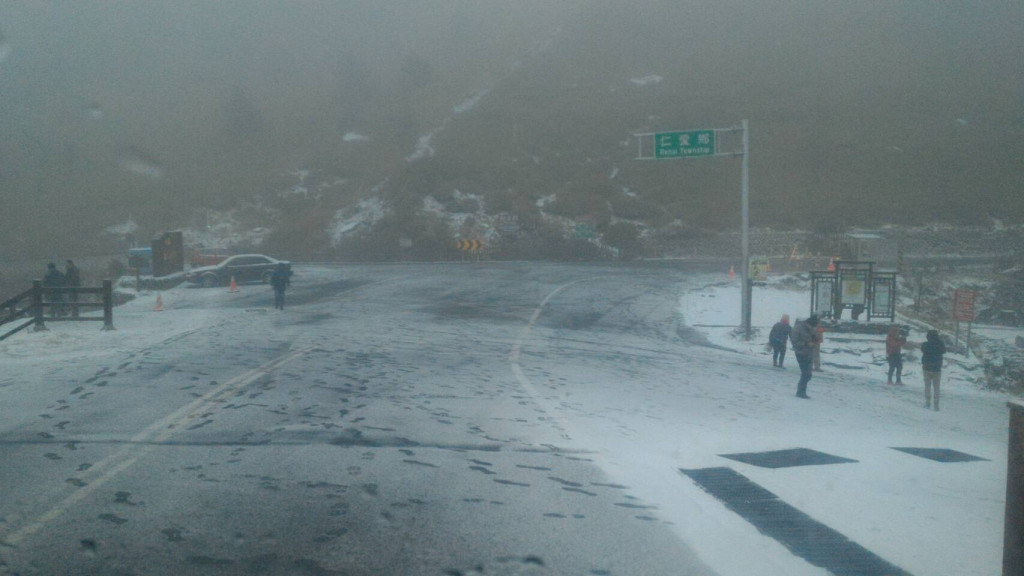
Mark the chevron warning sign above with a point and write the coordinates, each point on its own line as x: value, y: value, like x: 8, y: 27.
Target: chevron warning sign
x: 469, y: 245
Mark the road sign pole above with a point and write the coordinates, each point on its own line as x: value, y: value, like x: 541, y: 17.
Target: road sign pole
x: 695, y: 144
x: 747, y: 296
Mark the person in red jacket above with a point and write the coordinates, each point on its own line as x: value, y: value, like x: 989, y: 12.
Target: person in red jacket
x: 894, y: 342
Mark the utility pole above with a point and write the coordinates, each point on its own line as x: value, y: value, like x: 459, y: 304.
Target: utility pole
x: 745, y: 306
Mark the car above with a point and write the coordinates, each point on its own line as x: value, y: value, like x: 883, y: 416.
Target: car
x: 243, y: 268
x: 208, y: 257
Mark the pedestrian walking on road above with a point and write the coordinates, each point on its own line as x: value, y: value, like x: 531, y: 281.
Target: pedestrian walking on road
x: 803, y: 347
x: 931, y: 364
x: 777, y: 340
x: 280, y: 279
x: 54, y: 282
x: 72, y: 279
x: 819, y: 337
x: 894, y: 342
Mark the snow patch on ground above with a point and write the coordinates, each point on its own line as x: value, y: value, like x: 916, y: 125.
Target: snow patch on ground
x: 545, y: 200
x: 457, y: 219
x: 470, y: 102
x: 127, y: 227
x: 423, y: 149
x: 299, y: 190
x: 225, y: 231
x: 362, y: 216
x: 136, y: 323
x: 354, y: 137
x: 649, y: 79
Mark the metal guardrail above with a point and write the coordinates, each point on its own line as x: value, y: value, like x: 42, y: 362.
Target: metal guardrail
x: 33, y: 304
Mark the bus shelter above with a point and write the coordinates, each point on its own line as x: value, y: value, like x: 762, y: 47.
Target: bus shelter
x: 854, y: 286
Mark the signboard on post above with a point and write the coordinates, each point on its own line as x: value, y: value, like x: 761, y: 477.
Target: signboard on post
x: 823, y: 286
x: 168, y: 254
x: 883, y: 296
x: 508, y: 223
x: 759, y: 268
x: 963, y: 311
x: 469, y: 244
x: 853, y: 292
x: 684, y: 144
x: 963, y: 305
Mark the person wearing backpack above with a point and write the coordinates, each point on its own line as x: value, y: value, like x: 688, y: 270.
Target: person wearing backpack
x: 803, y: 337
x: 931, y: 364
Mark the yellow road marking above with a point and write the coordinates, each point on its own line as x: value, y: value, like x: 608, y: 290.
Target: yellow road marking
x: 145, y: 441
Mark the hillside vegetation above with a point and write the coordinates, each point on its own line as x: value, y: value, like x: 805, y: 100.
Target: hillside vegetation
x: 860, y: 114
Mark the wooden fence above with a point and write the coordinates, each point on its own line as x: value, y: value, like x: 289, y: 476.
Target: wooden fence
x: 63, y: 305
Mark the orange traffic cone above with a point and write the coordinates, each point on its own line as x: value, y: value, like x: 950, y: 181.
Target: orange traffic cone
x: 159, y: 303
x: 234, y: 287
x: 732, y: 273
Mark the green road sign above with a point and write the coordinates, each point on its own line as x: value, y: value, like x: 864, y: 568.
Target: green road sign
x: 684, y: 144
x: 584, y: 231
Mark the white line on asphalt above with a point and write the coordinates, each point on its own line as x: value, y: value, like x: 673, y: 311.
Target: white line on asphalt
x: 513, y: 357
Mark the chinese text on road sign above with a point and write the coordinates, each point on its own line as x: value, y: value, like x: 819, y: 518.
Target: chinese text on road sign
x: 684, y: 144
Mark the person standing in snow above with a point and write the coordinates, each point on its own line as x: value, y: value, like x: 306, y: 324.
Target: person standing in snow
x: 72, y: 279
x: 894, y: 342
x: 54, y: 281
x: 280, y: 279
x: 777, y: 340
x: 931, y: 364
x: 819, y: 337
x: 802, y: 336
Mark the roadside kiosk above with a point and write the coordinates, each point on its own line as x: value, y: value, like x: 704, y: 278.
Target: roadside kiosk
x: 855, y: 286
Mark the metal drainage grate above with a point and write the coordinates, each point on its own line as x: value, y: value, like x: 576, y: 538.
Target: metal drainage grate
x: 941, y: 454
x: 787, y: 458
x: 802, y: 535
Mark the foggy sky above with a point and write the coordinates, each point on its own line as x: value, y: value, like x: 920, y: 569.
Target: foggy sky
x: 223, y: 97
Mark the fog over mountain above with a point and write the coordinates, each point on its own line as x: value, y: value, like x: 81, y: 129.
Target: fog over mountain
x: 860, y: 113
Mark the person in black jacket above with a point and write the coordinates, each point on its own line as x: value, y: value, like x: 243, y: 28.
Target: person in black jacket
x: 931, y: 364
x: 777, y: 340
x: 280, y: 280
x: 803, y: 337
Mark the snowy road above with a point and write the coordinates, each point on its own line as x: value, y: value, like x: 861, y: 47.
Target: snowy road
x: 458, y: 419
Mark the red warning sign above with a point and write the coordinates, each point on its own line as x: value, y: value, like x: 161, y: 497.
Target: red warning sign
x: 963, y: 305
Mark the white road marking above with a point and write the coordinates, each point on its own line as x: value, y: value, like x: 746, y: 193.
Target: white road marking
x: 513, y: 358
